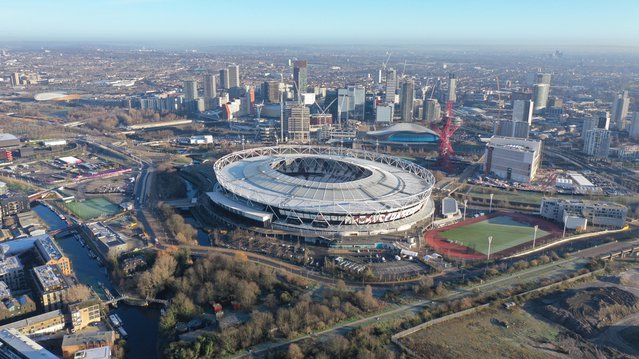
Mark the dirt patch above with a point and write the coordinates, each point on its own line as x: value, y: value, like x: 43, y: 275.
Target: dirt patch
x: 587, y: 311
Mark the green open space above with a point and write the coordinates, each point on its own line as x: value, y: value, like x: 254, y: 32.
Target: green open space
x: 506, y: 233
x: 93, y: 208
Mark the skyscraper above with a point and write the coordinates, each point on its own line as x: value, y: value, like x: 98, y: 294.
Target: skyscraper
x: 603, y: 120
x: 452, y: 88
x: 300, y: 73
x: 432, y: 110
x: 272, y: 91
x: 540, y: 96
x: 15, y: 79
x: 597, y: 143
x: 620, y: 110
x: 391, y: 86
x: 634, y: 126
x: 542, y: 78
x: 210, y: 89
x: 589, y: 123
x: 234, y: 76
x: 406, y: 101
x: 511, y: 128
x: 541, y: 90
x: 190, y: 90
x: 224, y: 79
x: 523, y: 111
x: 298, y: 123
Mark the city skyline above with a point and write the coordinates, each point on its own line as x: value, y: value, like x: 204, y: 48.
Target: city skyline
x: 571, y: 23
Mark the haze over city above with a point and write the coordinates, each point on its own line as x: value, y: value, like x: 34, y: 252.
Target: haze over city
x: 466, y: 22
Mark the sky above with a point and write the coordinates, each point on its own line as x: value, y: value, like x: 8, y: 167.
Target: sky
x: 224, y: 22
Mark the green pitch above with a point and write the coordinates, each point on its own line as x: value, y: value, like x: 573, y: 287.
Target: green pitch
x: 93, y: 208
x: 505, y: 231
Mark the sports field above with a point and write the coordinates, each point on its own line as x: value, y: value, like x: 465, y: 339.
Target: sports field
x: 506, y: 233
x: 93, y: 208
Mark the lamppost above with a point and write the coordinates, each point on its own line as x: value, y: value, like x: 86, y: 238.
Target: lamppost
x: 535, y: 236
x: 490, y: 241
x: 465, y: 203
x: 490, y: 209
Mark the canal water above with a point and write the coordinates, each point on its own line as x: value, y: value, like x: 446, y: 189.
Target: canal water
x: 141, y: 323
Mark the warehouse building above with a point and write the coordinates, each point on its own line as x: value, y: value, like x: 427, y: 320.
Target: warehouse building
x: 515, y: 159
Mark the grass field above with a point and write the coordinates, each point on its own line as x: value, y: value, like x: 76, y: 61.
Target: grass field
x: 482, y: 335
x: 505, y: 231
x: 93, y: 208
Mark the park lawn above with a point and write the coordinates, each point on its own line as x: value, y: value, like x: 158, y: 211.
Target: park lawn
x: 506, y: 233
x: 93, y: 208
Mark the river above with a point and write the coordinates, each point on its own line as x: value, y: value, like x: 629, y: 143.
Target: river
x: 141, y: 323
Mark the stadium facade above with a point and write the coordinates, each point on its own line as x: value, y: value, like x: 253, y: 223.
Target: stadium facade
x: 323, y: 191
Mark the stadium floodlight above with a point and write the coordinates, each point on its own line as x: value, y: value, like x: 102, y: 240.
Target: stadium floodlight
x: 490, y: 241
x: 465, y: 203
x: 490, y: 209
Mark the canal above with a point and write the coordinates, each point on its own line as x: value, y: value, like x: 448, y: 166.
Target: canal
x: 141, y: 323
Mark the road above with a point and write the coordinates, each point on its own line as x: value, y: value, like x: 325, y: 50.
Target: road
x: 554, y: 269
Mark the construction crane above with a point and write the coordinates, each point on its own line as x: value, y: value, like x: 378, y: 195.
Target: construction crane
x: 445, y: 136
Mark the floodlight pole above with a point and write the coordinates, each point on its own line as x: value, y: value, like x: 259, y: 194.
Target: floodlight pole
x: 490, y: 241
x: 564, y: 235
x: 535, y: 236
x: 490, y: 209
x: 465, y: 203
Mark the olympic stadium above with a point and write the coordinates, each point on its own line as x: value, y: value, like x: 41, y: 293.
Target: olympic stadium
x: 323, y: 191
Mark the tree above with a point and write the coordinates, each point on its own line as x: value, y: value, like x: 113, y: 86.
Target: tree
x: 78, y: 293
x: 295, y: 352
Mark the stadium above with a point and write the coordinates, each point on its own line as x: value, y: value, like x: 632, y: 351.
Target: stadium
x: 323, y: 191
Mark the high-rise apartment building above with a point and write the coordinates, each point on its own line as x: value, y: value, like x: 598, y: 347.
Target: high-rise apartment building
x: 234, y: 76
x: 523, y: 111
x: 210, y: 88
x: 391, y: 86
x: 432, y: 110
x: 190, y: 90
x: 298, y: 123
x: 224, y: 79
x: 540, y: 96
x: 510, y: 128
x: 597, y: 143
x: 300, y: 74
x: 603, y: 120
x: 633, y: 130
x: 407, y: 98
x: 452, y: 88
x: 620, y: 111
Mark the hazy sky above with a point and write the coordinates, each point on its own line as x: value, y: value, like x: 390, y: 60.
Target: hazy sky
x: 537, y: 22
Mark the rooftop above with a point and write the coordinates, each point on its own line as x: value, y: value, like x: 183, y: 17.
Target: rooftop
x: 402, y: 127
x: 8, y: 137
x: 49, y: 277
x: 22, y: 344
x: 48, y: 248
x: 32, y: 320
x: 95, y: 353
x: 9, y: 264
x: 106, y: 337
x: 105, y: 234
x: 515, y: 144
x: 4, y: 290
